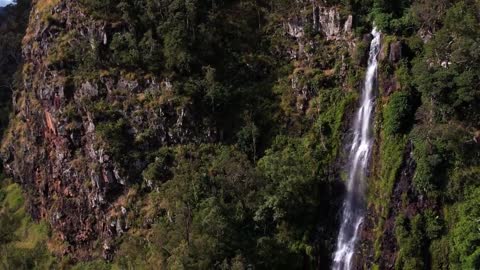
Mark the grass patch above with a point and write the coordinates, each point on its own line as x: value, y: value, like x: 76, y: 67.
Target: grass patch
x: 22, y: 241
x: 13, y: 198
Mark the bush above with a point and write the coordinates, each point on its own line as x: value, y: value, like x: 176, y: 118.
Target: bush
x: 116, y: 135
x: 159, y: 170
x: 399, y: 113
x: 125, y: 51
x: 104, y: 9
x: 436, y: 151
x: 433, y: 224
x: 439, y: 250
x: 449, y: 75
x: 22, y: 242
x: 430, y: 167
x: 465, y: 236
x: 411, y: 242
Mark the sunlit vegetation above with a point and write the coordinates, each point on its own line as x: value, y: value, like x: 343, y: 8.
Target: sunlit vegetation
x: 267, y: 193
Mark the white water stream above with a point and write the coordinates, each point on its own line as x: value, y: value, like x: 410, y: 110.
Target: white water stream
x: 354, y: 204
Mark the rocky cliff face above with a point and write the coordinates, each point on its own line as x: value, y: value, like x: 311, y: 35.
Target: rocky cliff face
x: 58, y: 147
x: 162, y: 134
x: 52, y: 146
x: 336, y: 43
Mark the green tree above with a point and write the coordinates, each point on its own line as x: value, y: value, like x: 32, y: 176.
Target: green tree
x: 465, y: 235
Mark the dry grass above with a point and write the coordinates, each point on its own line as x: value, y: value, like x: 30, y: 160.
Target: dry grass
x: 41, y: 9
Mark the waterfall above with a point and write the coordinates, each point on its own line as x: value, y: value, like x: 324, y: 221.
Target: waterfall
x: 354, y: 204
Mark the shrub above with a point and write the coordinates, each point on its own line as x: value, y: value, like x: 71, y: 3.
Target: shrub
x: 399, y: 114
x: 117, y: 137
x: 125, y: 52
x: 433, y: 224
x: 105, y: 9
x: 439, y: 250
x: 159, y: 170
x: 410, y: 237
x: 465, y: 236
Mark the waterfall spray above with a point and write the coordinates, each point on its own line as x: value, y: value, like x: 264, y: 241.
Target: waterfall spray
x: 354, y: 204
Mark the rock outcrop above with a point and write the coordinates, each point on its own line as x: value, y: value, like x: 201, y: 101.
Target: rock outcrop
x: 52, y: 146
x: 326, y: 27
x: 57, y: 146
x: 325, y: 20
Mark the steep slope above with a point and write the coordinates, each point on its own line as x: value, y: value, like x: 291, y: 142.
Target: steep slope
x: 427, y: 151
x: 119, y: 113
x: 212, y: 134
x: 55, y: 147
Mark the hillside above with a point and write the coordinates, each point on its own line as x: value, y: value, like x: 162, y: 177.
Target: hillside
x: 171, y: 134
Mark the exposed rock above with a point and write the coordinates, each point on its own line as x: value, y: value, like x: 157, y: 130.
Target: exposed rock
x: 295, y: 28
x: 87, y: 90
x: 302, y: 92
x: 328, y: 26
x: 384, y: 51
x: 364, y: 51
x: 405, y: 200
x: 348, y: 25
x: 322, y: 19
x: 476, y: 136
x: 425, y: 35
x: 395, y: 52
x: 389, y: 85
x: 328, y: 21
x: 129, y: 85
x: 72, y: 179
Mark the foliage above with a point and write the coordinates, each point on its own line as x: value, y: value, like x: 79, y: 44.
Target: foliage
x: 290, y: 172
x: 410, y: 235
x: 117, y: 135
x: 209, y: 196
x: 266, y: 195
x: 125, y: 50
x: 399, y: 113
x: 22, y: 241
x: 435, y: 152
x: 465, y: 236
x: 451, y: 78
x: 392, y: 16
x: 446, y: 162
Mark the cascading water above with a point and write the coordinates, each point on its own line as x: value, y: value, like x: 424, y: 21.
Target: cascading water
x: 354, y: 204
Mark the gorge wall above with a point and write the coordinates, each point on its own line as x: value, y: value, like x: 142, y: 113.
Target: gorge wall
x: 52, y: 147
x: 212, y: 135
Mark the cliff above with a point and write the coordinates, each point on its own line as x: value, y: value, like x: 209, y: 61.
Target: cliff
x: 213, y: 134
x: 82, y: 133
x: 54, y: 148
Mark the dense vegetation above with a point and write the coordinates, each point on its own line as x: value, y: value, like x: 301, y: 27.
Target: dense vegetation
x: 266, y: 193
x: 443, y: 76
